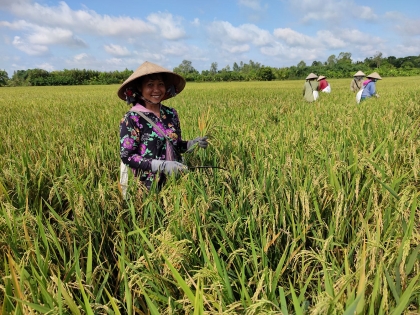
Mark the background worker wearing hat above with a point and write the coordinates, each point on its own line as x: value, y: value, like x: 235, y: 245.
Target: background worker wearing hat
x: 324, y: 86
x: 369, y: 86
x: 310, y: 88
x: 357, y: 83
x: 150, y: 132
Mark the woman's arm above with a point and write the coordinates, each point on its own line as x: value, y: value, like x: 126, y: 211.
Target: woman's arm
x: 132, y: 150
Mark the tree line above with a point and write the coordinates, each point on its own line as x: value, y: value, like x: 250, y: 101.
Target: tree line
x: 341, y: 66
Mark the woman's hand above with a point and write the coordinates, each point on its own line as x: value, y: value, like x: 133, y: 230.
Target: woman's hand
x: 200, y: 141
x: 168, y: 167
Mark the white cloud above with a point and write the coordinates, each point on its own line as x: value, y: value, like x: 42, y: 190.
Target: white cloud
x: 176, y: 49
x: 82, y: 57
x: 293, y: 38
x: 407, y: 48
x: 117, y: 50
x: 196, y: 22
x: 325, y: 39
x: 46, y: 66
x: 329, y: 39
x: 258, y: 36
x: 365, y: 13
x: 235, y: 49
x: 353, y: 36
x: 170, y: 27
x: 33, y: 50
x: 53, y: 36
x: 332, y: 10
x: 222, y: 31
x: 403, y: 25
x: 39, y: 35
x: 282, y: 52
x: 86, y: 21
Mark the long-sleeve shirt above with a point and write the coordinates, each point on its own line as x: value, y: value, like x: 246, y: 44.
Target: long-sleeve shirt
x: 369, y: 90
x: 322, y: 84
x: 140, y: 143
x: 356, y: 85
x: 308, y: 87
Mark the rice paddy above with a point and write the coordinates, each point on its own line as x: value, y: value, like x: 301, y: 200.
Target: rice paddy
x: 316, y: 209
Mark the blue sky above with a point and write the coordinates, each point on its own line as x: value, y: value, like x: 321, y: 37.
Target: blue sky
x: 115, y: 35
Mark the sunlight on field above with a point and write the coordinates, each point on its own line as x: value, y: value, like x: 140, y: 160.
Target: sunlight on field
x: 316, y: 212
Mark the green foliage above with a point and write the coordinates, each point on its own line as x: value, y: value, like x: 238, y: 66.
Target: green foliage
x: 185, y: 68
x: 334, y: 67
x: 40, y: 77
x: 265, y: 74
x: 4, y: 77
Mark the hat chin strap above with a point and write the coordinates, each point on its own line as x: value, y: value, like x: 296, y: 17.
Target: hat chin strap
x: 149, y: 101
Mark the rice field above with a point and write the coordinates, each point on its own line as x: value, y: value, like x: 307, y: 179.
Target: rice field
x: 316, y: 209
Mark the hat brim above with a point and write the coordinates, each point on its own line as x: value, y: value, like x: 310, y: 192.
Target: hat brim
x: 374, y: 76
x: 311, y: 76
x: 321, y: 77
x: 359, y: 74
x: 171, y: 79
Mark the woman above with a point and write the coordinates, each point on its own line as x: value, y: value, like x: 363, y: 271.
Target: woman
x: 310, y: 88
x: 357, y: 83
x: 150, y: 133
x: 369, y: 86
x: 324, y: 86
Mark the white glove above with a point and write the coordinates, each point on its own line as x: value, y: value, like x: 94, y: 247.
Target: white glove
x: 168, y: 167
x: 201, y: 141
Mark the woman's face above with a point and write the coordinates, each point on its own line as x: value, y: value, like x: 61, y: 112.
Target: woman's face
x: 153, y: 89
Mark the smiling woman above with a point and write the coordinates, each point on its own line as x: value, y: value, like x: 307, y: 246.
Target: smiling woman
x: 150, y: 133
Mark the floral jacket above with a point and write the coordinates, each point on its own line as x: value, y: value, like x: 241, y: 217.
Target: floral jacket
x: 140, y: 143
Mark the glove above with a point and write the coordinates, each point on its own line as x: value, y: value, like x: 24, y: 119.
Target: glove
x: 201, y: 141
x: 168, y: 167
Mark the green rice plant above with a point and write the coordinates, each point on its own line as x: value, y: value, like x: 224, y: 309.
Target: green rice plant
x: 315, y: 209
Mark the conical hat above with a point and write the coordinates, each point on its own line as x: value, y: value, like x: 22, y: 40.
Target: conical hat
x: 321, y: 77
x: 311, y: 76
x: 359, y: 74
x: 171, y: 78
x: 374, y: 75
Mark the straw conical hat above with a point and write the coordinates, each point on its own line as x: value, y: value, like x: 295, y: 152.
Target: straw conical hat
x: 171, y: 78
x: 359, y: 74
x: 321, y: 77
x: 311, y: 76
x: 374, y: 75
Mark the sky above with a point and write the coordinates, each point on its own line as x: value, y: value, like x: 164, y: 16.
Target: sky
x: 107, y: 35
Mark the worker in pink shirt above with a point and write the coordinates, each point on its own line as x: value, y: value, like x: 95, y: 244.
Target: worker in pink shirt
x: 324, y: 86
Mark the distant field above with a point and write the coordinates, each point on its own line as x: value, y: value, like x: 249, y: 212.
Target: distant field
x: 316, y: 212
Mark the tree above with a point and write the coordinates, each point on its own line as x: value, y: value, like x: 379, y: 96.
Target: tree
x: 392, y: 60
x: 185, y: 67
x: 301, y: 64
x: 316, y: 63
x: 344, y: 57
x: 331, y: 61
x: 265, y: 74
x: 407, y: 65
x: 4, y: 77
x: 213, y: 67
x: 254, y: 65
x: 377, y: 58
x: 236, y: 68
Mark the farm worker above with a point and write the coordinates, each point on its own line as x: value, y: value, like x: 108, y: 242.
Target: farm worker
x: 369, y: 86
x: 324, y: 86
x: 357, y: 82
x: 144, y: 148
x: 310, y: 88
